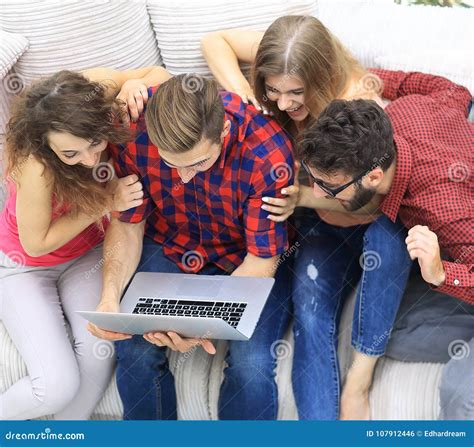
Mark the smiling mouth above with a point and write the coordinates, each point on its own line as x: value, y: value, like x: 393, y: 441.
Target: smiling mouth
x: 295, y: 109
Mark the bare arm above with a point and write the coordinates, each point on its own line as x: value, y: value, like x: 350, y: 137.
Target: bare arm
x: 255, y: 266
x: 224, y: 49
x: 38, y: 234
x: 308, y: 200
x: 122, y: 250
x: 115, y: 79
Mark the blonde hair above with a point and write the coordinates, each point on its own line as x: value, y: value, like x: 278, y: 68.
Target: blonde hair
x: 183, y: 111
x: 302, y: 46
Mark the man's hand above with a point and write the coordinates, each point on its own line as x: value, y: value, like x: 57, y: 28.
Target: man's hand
x: 422, y: 244
x: 107, y: 306
x: 176, y: 343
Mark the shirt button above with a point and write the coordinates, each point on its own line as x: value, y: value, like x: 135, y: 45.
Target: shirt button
x: 456, y: 282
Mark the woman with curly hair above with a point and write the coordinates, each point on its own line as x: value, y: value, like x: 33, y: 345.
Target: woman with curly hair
x: 60, y: 192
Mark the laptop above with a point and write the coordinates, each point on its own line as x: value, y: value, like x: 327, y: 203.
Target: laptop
x: 197, y: 306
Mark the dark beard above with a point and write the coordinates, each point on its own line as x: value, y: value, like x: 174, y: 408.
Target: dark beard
x: 361, y: 198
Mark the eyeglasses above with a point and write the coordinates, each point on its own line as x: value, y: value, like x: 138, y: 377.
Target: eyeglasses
x: 333, y: 192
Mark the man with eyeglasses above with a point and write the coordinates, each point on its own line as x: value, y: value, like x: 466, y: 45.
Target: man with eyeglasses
x: 425, y: 180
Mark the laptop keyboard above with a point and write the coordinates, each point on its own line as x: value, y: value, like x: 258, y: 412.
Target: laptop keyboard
x: 230, y: 312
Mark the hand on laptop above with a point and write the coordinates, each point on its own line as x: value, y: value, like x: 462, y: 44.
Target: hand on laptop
x: 176, y: 343
x: 107, y: 306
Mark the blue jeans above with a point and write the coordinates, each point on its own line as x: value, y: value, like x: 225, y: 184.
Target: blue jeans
x: 329, y: 262
x: 146, y: 385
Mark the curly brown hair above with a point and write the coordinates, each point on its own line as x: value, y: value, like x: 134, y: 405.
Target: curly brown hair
x: 64, y: 102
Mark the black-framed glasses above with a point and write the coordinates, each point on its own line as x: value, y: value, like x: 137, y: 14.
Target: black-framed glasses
x: 333, y: 192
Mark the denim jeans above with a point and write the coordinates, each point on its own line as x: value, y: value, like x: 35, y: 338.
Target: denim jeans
x: 329, y: 262
x: 146, y: 385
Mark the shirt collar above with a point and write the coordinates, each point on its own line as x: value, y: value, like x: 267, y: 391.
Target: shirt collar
x: 393, y: 200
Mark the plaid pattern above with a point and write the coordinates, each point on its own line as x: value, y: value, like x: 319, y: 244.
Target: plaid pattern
x: 217, y: 216
x: 433, y: 183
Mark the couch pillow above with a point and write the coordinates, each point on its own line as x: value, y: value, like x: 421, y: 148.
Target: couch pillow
x: 180, y: 24
x: 79, y: 35
x: 410, y: 38
x: 13, y: 46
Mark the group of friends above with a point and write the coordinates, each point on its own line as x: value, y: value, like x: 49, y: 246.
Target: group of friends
x: 320, y: 172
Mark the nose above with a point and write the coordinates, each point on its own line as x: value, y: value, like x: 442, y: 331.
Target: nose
x: 186, y: 174
x: 90, y: 160
x: 283, y: 102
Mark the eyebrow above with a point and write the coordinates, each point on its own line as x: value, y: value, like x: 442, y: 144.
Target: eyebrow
x: 291, y: 90
x: 188, y: 166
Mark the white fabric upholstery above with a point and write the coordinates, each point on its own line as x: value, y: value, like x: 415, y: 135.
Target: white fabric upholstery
x: 179, y: 33
x: 400, y: 390
x: 12, y: 47
x: 383, y: 34
x: 79, y: 35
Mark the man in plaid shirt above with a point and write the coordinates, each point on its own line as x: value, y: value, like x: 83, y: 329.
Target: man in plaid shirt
x: 429, y: 186
x: 205, y: 160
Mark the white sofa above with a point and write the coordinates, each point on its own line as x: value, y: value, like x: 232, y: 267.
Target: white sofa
x: 52, y: 36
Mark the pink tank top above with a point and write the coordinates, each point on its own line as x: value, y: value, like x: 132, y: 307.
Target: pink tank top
x: 11, y: 246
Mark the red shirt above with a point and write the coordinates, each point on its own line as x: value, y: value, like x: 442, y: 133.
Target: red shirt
x: 433, y: 183
x: 217, y: 216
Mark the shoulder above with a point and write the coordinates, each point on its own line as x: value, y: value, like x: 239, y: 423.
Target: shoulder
x: 30, y: 171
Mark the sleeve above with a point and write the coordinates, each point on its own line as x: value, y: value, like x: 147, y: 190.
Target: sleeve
x: 459, y: 281
x: 123, y: 165
x: 264, y: 237
x: 400, y: 83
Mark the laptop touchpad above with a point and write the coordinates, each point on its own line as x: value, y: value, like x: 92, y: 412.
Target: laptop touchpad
x: 200, y: 287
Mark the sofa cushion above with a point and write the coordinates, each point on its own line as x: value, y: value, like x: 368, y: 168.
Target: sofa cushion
x: 80, y: 35
x: 13, y: 46
x: 386, y: 35
x: 179, y: 25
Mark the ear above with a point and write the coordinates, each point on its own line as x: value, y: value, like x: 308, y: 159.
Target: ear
x: 226, y: 129
x: 374, y: 178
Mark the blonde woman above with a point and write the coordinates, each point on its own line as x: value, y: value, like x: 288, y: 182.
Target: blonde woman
x: 298, y: 68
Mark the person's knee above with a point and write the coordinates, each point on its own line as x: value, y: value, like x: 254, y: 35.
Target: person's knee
x: 55, y: 389
x: 257, y: 363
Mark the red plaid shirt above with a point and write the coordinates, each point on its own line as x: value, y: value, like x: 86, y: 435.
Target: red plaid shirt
x: 433, y: 183
x: 217, y: 216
